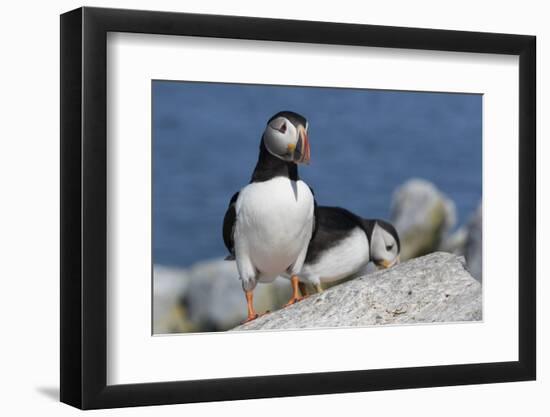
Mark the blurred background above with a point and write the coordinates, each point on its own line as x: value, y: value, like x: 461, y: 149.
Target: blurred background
x: 414, y: 158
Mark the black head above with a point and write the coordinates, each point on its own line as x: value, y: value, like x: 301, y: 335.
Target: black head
x: 285, y: 137
x: 294, y: 118
x: 388, y: 227
x: 384, y: 242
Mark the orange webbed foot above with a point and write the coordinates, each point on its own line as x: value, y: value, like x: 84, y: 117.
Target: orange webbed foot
x: 296, y: 297
x: 295, y: 300
x: 252, y: 317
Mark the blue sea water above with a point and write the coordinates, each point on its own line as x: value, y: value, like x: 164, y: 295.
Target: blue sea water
x: 364, y: 144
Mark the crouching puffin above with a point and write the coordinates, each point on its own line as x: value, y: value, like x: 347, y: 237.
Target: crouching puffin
x: 269, y: 223
x: 344, y: 243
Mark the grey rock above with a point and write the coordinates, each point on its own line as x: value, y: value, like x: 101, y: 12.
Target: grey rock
x: 423, y: 217
x: 473, y: 250
x: 169, y: 315
x: 168, y: 285
x: 215, y: 299
x: 429, y: 289
x: 208, y: 296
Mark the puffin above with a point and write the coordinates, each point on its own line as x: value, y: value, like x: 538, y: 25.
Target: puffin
x: 269, y: 223
x: 344, y: 243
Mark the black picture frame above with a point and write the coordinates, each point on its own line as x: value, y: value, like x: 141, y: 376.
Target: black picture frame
x: 84, y: 207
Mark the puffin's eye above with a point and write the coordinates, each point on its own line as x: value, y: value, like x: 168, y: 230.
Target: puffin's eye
x: 283, y: 128
x: 389, y: 247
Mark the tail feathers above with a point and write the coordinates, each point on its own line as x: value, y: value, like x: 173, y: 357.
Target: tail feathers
x: 229, y: 258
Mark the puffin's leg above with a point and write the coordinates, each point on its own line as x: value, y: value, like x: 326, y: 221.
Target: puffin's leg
x: 303, y: 289
x: 250, y: 306
x: 295, y: 291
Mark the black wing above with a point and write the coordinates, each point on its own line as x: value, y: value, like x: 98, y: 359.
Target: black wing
x: 229, y: 227
x: 315, y: 215
x: 332, y: 224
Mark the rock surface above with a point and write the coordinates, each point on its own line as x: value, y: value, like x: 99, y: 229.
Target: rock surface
x: 422, y: 215
x: 433, y: 288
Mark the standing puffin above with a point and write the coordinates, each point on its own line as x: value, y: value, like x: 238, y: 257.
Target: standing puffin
x: 344, y: 243
x: 269, y: 223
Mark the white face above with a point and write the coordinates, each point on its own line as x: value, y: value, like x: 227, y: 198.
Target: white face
x: 384, y: 248
x: 286, y: 141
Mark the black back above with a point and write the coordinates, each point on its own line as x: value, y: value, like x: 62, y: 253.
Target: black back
x: 332, y: 224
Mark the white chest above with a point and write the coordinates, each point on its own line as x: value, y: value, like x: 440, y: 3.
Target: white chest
x: 274, y: 222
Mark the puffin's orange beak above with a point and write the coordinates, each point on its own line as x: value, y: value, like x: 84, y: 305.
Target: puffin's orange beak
x: 383, y: 264
x: 387, y: 264
x: 302, y: 152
